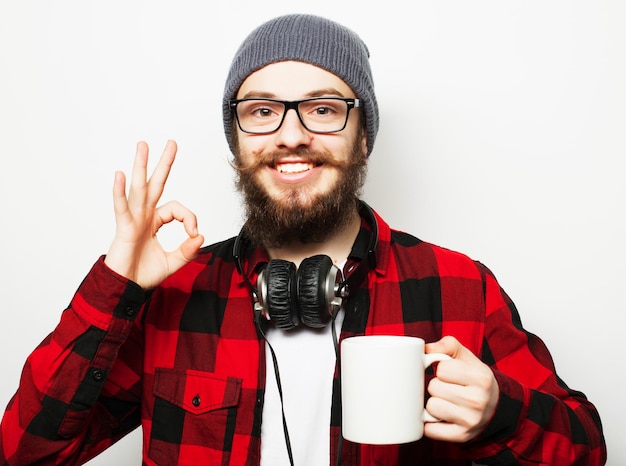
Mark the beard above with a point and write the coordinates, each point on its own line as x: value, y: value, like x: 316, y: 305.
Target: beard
x: 300, y: 216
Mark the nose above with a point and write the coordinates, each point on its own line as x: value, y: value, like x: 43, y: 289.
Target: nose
x: 292, y: 134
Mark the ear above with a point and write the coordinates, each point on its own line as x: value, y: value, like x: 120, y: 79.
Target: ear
x: 364, y: 144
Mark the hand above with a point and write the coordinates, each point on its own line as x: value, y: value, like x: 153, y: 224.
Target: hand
x: 135, y: 252
x: 464, y: 393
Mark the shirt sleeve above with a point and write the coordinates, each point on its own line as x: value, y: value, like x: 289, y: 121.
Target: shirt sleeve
x: 79, y: 389
x: 539, y: 419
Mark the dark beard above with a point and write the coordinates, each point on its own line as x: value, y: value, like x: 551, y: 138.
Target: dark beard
x: 273, y: 225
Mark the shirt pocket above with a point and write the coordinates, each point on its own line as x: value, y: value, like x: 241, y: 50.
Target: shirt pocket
x: 195, y: 391
x: 194, y: 411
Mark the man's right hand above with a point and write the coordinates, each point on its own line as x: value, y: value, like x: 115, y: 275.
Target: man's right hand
x: 135, y: 252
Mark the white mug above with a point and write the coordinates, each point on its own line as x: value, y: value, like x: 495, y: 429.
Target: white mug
x: 382, y: 388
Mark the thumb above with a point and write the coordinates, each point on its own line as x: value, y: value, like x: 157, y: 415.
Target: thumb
x: 186, y: 252
x: 448, y: 345
x: 452, y: 347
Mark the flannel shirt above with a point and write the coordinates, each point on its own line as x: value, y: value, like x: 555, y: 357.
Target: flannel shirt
x: 185, y: 362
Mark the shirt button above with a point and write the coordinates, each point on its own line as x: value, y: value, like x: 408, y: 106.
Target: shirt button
x: 98, y: 375
x: 196, y: 401
x: 130, y: 311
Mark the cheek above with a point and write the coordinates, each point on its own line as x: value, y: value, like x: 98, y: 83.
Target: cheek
x: 252, y: 144
x: 247, y: 155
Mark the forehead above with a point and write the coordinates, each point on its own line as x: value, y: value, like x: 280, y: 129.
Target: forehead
x: 292, y: 80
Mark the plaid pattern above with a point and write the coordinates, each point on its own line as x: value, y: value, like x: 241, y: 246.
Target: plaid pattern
x: 184, y: 361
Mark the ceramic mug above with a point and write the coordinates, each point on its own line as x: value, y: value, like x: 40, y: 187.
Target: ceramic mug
x: 382, y: 388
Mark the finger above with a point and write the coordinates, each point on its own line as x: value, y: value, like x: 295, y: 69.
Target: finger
x: 176, y: 211
x: 120, y: 202
x: 467, y: 390
x: 442, y: 409
x: 448, y: 345
x: 137, y: 190
x: 458, y: 423
x: 185, y: 253
x: 444, y: 392
x: 157, y: 180
x: 468, y: 395
x: 447, y: 431
x: 452, y: 347
x: 455, y: 371
x: 188, y: 250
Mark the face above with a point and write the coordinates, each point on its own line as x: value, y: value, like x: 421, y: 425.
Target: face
x: 298, y: 184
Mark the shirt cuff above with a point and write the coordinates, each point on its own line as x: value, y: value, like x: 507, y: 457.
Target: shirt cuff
x: 104, y: 297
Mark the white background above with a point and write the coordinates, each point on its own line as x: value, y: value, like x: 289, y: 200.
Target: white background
x: 502, y: 136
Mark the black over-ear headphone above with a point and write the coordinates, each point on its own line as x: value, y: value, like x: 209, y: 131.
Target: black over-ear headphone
x: 313, y: 293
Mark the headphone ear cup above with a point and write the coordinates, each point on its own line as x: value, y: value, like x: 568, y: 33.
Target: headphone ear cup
x: 312, y: 277
x: 281, y: 292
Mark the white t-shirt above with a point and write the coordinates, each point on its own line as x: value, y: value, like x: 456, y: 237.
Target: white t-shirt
x: 306, y: 363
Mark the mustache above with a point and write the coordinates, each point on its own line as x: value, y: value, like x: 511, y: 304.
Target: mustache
x: 271, y: 159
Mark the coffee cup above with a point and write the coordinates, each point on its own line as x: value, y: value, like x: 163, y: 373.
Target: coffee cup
x: 382, y: 388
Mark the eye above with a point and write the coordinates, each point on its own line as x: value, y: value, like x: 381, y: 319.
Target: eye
x: 324, y: 110
x: 259, y: 109
x: 262, y: 112
x: 320, y: 108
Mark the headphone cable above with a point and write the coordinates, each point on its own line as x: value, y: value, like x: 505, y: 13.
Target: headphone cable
x: 280, y: 390
x: 280, y: 394
x: 338, y: 358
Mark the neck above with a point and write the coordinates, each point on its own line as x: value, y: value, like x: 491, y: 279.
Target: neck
x: 337, y: 247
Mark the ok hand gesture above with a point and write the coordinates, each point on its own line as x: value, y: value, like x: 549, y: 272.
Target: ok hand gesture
x: 135, y: 252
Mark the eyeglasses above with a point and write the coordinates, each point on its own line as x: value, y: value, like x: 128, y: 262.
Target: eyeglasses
x: 318, y: 114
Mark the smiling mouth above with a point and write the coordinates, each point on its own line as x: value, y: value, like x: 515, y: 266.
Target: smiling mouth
x: 295, y: 167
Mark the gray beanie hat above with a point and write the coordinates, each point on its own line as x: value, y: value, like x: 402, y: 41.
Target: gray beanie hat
x: 309, y: 39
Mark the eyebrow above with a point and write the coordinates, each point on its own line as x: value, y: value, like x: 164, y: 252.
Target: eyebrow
x: 316, y: 93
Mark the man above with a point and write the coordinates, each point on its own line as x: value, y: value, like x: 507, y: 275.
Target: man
x: 223, y: 354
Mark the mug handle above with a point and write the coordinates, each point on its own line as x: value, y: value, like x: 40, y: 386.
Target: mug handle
x: 429, y: 358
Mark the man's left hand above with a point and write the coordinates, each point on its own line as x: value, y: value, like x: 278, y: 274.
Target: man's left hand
x: 464, y: 393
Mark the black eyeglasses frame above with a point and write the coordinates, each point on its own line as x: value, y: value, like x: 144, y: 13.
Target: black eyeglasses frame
x: 293, y: 105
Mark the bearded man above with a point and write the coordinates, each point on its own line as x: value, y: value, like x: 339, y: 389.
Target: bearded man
x: 228, y: 353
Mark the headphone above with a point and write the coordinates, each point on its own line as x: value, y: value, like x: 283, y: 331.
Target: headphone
x: 312, y: 293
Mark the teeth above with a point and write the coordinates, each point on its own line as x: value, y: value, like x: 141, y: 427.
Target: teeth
x: 294, y: 167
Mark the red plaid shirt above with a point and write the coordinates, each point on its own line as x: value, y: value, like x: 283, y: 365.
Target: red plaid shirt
x: 185, y: 362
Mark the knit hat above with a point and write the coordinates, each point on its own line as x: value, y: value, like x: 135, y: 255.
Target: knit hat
x: 309, y: 39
